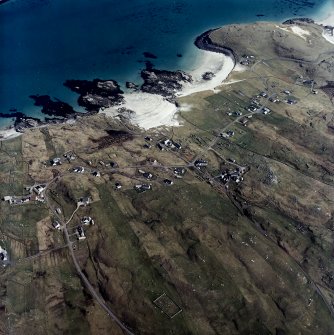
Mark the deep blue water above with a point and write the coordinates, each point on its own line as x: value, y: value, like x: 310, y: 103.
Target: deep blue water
x: 45, y: 42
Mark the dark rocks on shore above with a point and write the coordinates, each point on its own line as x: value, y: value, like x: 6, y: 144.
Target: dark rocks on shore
x: 131, y: 85
x: 299, y: 20
x: 204, y: 42
x: 24, y: 122
x: 96, y: 93
x: 53, y: 107
x: 163, y: 82
x: 149, y: 55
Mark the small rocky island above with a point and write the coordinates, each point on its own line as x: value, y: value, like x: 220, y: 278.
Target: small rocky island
x: 96, y: 93
x: 208, y: 75
x: 163, y: 82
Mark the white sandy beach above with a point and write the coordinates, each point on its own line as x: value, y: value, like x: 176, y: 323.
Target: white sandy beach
x: 151, y: 110
x: 154, y: 111
x: 216, y: 63
x: 7, y: 134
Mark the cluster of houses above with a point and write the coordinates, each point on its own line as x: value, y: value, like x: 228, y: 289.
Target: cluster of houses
x: 177, y: 171
x: 36, y: 194
x: 234, y: 175
x: 273, y: 99
x: 247, y: 60
x: 86, y: 220
x: 78, y: 169
x: 227, y: 134
x: 69, y: 156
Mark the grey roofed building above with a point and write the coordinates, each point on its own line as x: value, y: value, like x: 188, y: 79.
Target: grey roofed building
x: 143, y: 187
x: 168, y: 182
x: 56, y: 161
x: 96, y: 174
x: 201, y: 163
x: 80, y: 233
x: 56, y: 225
x: 147, y: 175
x: 39, y: 189
x: 179, y: 171
x: 87, y: 220
x: 84, y: 201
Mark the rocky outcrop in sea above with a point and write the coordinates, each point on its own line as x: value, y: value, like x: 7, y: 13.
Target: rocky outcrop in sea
x: 96, y: 93
x: 163, y: 82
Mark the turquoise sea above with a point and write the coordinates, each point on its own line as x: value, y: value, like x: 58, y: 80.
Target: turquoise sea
x: 45, y: 42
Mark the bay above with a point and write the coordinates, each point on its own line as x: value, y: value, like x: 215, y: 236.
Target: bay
x: 44, y: 42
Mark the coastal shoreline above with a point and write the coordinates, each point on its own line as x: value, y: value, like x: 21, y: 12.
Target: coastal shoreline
x: 8, y: 134
x: 204, y: 42
x: 328, y: 21
x: 148, y: 110
x: 151, y: 109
